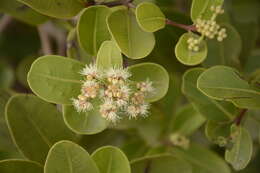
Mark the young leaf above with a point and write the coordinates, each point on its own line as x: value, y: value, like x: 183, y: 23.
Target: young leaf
x: 131, y: 39
x: 189, y: 57
x: 92, y: 29
x: 163, y: 163
x: 241, y: 153
x: 211, y: 109
x: 202, y: 159
x: 21, y: 12
x: 55, y: 8
x: 55, y: 79
x: 35, y: 126
x: 68, y: 157
x: 18, y: 166
x: 109, y: 55
x: 226, y: 52
x: 225, y: 83
x: 155, y: 73
x: 201, y: 8
x: 84, y: 123
x: 187, y: 120
x: 150, y: 17
x: 111, y: 159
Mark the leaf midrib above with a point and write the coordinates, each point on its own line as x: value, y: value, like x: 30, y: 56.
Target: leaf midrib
x: 57, y: 78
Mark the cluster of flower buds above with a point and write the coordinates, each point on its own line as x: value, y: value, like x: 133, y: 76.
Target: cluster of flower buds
x: 208, y: 28
x: 118, y: 95
x: 179, y: 140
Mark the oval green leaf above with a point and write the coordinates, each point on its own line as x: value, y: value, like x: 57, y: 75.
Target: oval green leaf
x: 202, y: 159
x: 188, y: 57
x: 150, y: 17
x: 17, y: 166
x: 55, y: 79
x: 111, y: 159
x: 225, y: 83
x: 84, y: 123
x: 155, y: 73
x: 163, y: 163
x: 130, y: 38
x: 35, y: 126
x: 92, y: 28
x: 109, y: 55
x: 68, y: 157
x: 56, y: 8
x: 241, y: 152
x: 211, y: 109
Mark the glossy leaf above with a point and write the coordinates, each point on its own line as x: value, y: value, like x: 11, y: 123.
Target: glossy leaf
x: 16, y: 166
x: 21, y: 12
x: 92, y: 28
x: 201, y: 8
x: 130, y: 38
x: 35, y: 126
x: 56, y: 8
x: 55, y: 79
x: 111, y: 159
x: 187, y: 120
x: 68, y: 157
x: 230, y: 87
x: 155, y: 73
x: 150, y: 17
x: 109, y: 55
x: 188, y: 57
x: 209, y: 108
x: 241, y: 152
x: 84, y: 123
x: 226, y: 52
x: 202, y: 159
x: 165, y: 163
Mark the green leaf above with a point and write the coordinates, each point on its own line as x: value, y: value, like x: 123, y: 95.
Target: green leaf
x: 201, y: 8
x: 225, y: 83
x: 35, y: 126
x: 17, y: 166
x: 22, y: 12
x: 202, y: 159
x: 188, y: 57
x: 209, y: 108
x: 109, y: 55
x: 241, y: 153
x: 55, y: 79
x: 84, y: 123
x: 92, y: 28
x: 130, y: 38
x: 68, y: 157
x: 150, y: 17
x: 111, y: 159
x: 6, y: 76
x: 164, y: 163
x: 187, y: 120
x: 155, y: 73
x: 56, y: 8
x: 226, y: 52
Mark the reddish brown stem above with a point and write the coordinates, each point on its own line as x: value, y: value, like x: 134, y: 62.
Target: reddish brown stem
x: 240, y: 117
x: 182, y: 26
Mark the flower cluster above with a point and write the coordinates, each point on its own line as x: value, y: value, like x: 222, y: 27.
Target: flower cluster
x: 208, y: 28
x: 118, y: 95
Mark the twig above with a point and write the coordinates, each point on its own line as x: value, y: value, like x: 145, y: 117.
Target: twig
x: 5, y: 21
x: 240, y: 117
x: 148, y: 167
x: 45, y: 40
x: 111, y: 4
x: 182, y: 26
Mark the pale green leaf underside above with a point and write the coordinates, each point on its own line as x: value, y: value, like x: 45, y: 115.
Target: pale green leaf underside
x: 92, y: 28
x: 130, y: 38
x: 111, y: 160
x: 55, y: 79
x: 188, y: 57
x: 149, y: 17
x: 18, y: 166
x: 68, y: 157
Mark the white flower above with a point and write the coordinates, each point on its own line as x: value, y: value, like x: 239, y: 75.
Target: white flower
x: 82, y: 105
x: 115, y: 74
x: 132, y: 111
x: 144, y: 109
x: 109, y: 110
x: 91, y: 72
x: 146, y: 86
x: 90, y: 89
